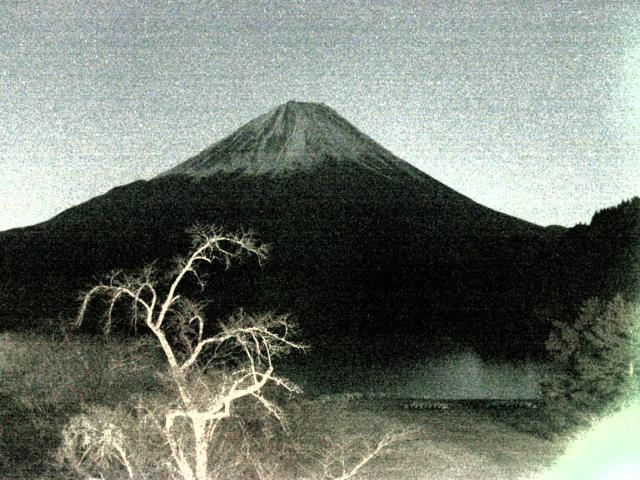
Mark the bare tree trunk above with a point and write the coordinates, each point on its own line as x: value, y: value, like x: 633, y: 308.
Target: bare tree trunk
x: 201, y: 450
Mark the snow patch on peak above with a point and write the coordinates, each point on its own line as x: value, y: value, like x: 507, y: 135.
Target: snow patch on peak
x: 291, y: 137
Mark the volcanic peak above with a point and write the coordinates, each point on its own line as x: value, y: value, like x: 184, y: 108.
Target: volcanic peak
x: 291, y: 137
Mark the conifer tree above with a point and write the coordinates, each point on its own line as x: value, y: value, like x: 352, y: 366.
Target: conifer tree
x: 594, y: 362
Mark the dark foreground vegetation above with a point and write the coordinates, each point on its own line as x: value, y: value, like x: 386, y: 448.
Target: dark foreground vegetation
x: 48, y: 381
x: 114, y: 406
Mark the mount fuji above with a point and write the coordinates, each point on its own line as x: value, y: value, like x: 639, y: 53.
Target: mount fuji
x: 367, y: 251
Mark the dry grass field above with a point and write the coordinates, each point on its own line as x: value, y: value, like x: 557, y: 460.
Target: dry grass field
x: 461, y: 442
x: 45, y: 381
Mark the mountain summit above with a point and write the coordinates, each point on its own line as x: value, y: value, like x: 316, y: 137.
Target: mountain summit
x: 365, y: 248
x: 292, y: 137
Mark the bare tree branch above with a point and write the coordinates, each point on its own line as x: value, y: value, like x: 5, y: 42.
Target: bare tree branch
x: 256, y: 339
x: 338, y: 458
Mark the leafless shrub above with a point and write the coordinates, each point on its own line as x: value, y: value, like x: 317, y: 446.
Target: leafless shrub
x: 93, y: 444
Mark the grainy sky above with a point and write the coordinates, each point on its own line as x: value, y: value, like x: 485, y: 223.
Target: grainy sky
x: 529, y: 107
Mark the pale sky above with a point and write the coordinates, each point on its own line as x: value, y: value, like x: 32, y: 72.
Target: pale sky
x: 528, y: 107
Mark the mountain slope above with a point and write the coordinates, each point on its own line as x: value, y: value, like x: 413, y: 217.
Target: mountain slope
x: 366, y: 249
x: 309, y: 138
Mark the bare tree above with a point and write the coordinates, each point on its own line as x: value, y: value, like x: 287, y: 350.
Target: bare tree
x: 258, y: 338
x: 247, y: 342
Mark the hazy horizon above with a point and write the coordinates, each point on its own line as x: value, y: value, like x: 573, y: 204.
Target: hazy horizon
x: 530, y: 109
